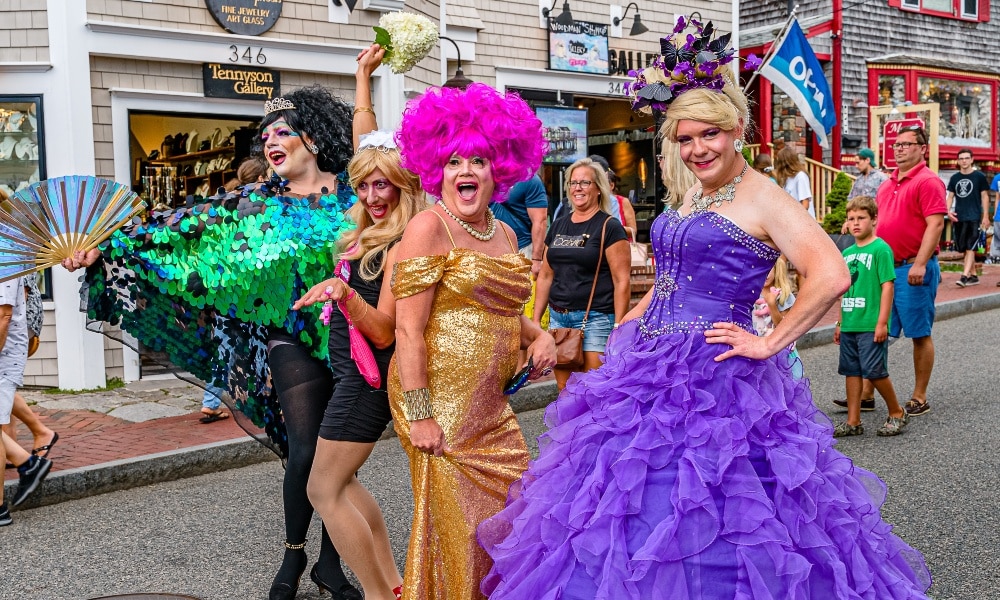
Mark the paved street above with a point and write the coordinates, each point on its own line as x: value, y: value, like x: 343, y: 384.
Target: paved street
x: 218, y: 537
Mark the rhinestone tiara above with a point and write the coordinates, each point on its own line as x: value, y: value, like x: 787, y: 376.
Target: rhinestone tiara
x: 277, y: 104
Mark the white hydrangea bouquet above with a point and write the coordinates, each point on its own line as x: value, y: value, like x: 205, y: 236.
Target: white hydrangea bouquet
x: 407, y: 39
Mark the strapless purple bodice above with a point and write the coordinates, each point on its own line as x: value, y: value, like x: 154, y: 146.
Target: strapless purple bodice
x: 707, y: 270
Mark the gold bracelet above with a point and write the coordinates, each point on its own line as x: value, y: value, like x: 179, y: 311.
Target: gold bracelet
x: 358, y: 109
x: 417, y: 404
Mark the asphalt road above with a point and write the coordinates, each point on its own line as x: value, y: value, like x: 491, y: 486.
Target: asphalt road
x: 218, y: 537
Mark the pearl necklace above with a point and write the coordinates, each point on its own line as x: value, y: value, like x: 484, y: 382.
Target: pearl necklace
x: 725, y: 194
x: 483, y: 236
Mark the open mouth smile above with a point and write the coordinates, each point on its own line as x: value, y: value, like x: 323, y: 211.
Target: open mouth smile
x: 467, y: 191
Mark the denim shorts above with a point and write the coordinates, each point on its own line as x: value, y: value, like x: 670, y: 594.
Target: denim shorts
x: 861, y: 356
x: 595, y: 336
x: 913, y: 305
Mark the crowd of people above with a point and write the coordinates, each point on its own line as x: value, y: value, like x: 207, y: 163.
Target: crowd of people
x: 694, y: 397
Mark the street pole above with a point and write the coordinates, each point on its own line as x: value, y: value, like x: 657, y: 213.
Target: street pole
x: 838, y: 95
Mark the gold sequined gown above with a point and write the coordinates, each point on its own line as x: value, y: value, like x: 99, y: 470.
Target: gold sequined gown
x: 472, y: 336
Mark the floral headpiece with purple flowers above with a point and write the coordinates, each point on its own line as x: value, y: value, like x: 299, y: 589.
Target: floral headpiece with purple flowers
x: 685, y: 63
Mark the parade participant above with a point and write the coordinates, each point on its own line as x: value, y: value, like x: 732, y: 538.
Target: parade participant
x: 246, y: 257
x: 460, y: 286
x: 358, y: 412
x: 586, y: 266
x: 693, y: 464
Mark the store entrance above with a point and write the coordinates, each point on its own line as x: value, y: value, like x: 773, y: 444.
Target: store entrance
x: 175, y: 156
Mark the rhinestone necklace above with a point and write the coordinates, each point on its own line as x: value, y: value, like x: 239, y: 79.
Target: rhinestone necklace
x: 725, y: 194
x: 483, y: 236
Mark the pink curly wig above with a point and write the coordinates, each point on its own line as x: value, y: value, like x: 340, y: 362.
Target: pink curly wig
x: 476, y: 121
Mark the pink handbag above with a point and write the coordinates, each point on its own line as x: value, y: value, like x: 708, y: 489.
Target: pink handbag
x: 361, y: 352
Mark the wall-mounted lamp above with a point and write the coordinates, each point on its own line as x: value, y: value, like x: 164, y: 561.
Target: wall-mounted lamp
x: 637, y: 27
x: 459, y: 80
x: 564, y: 18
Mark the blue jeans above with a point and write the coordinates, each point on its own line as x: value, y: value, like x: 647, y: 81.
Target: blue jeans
x: 595, y: 336
x: 995, y: 244
x: 212, y: 398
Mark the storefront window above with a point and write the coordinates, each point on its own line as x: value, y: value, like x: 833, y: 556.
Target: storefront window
x: 176, y: 156
x: 22, y: 157
x: 891, y: 90
x: 965, y: 110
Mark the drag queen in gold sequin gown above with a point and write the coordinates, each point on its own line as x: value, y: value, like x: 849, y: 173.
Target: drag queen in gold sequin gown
x: 460, y: 286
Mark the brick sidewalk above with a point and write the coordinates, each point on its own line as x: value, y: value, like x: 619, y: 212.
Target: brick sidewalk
x: 89, y: 438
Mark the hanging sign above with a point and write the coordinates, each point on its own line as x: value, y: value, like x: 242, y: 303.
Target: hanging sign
x: 239, y: 82
x: 245, y: 17
x: 579, y: 47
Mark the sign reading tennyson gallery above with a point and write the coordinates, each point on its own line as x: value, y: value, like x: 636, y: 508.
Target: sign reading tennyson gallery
x: 245, y: 17
x: 239, y: 82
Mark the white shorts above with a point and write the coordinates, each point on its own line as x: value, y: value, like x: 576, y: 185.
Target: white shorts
x: 7, y: 390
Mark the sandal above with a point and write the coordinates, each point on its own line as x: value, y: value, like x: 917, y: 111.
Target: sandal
x: 47, y: 448
x: 212, y: 417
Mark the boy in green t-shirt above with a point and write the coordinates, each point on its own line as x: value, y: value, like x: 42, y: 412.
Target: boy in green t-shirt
x: 863, y: 329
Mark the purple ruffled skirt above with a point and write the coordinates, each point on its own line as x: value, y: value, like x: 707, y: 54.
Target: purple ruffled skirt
x: 667, y: 475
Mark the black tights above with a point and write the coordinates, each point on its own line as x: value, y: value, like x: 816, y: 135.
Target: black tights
x: 304, y: 386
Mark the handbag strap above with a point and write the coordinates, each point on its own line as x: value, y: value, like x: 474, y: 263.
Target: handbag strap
x: 593, y: 287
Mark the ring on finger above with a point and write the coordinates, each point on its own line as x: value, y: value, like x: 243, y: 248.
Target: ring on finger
x: 328, y: 291
x: 546, y: 370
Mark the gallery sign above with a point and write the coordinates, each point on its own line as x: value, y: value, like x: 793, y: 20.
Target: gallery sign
x: 245, y: 17
x: 241, y: 83
x: 623, y: 61
x: 579, y: 47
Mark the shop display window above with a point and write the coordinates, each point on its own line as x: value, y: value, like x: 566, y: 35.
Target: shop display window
x: 966, y: 110
x: 22, y: 152
x: 177, y: 156
x: 968, y: 103
x: 22, y: 161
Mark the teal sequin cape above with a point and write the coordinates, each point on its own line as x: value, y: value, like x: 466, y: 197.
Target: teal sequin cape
x: 199, y: 287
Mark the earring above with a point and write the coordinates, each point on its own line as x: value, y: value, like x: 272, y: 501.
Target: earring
x: 738, y: 144
x: 313, y: 148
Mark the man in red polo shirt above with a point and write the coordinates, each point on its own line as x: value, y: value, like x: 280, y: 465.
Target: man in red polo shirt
x: 911, y: 211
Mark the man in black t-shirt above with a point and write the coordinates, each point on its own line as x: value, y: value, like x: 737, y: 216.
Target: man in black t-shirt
x: 968, y: 199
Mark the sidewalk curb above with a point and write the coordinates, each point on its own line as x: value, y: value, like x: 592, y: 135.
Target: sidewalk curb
x: 124, y: 474
x: 82, y: 482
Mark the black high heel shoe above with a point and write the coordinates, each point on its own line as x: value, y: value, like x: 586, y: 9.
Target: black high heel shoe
x: 347, y: 592
x: 283, y: 590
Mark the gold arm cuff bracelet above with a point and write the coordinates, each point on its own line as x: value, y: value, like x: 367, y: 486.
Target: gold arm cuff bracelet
x: 358, y: 109
x: 417, y: 404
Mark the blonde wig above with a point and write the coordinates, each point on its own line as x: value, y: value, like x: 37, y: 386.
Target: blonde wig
x: 728, y: 108
x: 374, y: 239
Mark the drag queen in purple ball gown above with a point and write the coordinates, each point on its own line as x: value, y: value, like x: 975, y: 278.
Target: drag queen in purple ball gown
x: 693, y: 464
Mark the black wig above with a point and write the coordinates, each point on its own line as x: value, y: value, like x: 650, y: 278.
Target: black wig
x: 322, y: 116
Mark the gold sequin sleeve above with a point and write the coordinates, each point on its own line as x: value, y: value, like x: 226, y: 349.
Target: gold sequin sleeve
x: 414, y: 275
